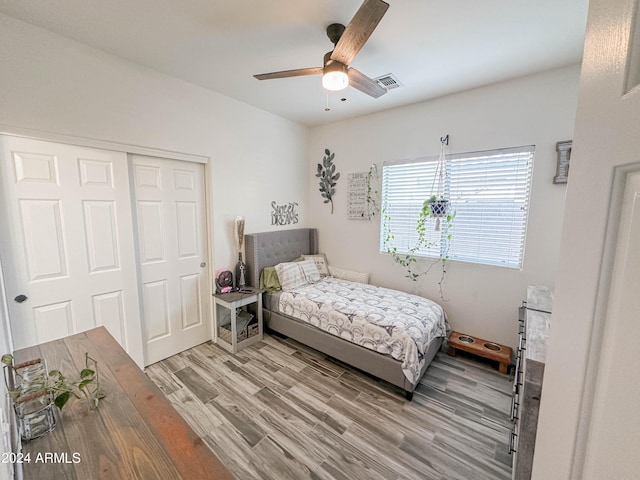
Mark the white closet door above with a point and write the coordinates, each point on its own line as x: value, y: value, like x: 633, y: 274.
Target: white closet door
x: 172, y: 250
x: 67, y: 242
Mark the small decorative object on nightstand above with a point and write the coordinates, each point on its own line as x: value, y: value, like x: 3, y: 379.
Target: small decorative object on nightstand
x: 241, y: 272
x: 236, y: 326
x: 241, y: 268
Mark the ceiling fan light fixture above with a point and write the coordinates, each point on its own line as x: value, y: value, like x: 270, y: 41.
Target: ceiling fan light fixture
x: 335, y: 81
x: 334, y: 77
x: 347, y: 42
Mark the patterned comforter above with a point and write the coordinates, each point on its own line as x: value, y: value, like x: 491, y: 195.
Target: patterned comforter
x: 386, y: 321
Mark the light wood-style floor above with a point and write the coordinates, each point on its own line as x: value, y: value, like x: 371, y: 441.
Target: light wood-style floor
x: 279, y: 410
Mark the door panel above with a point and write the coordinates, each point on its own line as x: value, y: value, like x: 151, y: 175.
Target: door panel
x: 156, y: 310
x: 172, y: 243
x: 53, y: 321
x: 147, y: 176
x: 190, y: 300
x: 95, y: 172
x: 100, y: 234
x: 108, y: 309
x: 32, y: 167
x: 151, y: 232
x: 44, y: 239
x: 187, y: 222
x: 68, y: 242
x: 614, y: 436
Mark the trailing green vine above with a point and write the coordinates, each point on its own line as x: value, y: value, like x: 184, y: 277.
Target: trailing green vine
x: 409, y: 260
x: 328, y: 177
x: 373, y: 194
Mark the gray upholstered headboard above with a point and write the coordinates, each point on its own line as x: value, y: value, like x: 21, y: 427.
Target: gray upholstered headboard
x: 268, y: 249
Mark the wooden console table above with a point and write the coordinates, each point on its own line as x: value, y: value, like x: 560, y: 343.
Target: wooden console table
x: 134, y: 433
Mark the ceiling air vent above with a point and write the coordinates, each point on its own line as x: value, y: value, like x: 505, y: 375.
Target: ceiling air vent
x: 388, y: 81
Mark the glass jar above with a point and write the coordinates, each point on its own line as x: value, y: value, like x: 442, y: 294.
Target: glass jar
x: 35, y: 414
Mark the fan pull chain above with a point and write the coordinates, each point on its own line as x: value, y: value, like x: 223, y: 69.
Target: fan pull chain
x: 327, y: 108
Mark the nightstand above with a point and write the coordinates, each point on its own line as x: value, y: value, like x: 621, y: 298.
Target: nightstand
x: 236, y: 326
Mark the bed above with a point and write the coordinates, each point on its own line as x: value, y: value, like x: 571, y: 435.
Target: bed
x: 269, y: 249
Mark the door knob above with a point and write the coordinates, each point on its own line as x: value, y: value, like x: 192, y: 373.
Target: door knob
x: 20, y: 298
x: 203, y: 264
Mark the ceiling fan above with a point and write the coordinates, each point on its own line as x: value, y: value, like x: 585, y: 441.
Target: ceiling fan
x: 336, y: 73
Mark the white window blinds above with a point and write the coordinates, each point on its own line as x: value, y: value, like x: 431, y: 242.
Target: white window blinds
x: 489, y: 192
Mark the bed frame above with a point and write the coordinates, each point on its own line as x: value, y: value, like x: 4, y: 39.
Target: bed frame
x: 270, y: 248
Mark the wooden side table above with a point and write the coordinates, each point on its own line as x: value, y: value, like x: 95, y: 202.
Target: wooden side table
x: 233, y: 338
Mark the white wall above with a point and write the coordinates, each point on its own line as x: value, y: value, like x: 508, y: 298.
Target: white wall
x: 538, y: 110
x: 53, y: 84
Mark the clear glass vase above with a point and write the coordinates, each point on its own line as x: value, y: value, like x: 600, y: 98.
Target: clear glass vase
x: 34, y: 407
x: 35, y: 414
x: 31, y: 376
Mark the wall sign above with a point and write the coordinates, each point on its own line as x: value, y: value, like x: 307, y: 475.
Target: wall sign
x: 284, y: 214
x: 357, y: 208
x: 564, y: 155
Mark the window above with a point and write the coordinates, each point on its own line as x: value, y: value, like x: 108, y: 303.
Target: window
x: 489, y: 191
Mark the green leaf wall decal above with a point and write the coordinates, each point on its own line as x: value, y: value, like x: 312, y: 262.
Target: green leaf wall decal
x: 328, y: 177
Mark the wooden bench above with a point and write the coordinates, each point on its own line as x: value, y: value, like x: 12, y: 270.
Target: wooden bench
x: 480, y: 347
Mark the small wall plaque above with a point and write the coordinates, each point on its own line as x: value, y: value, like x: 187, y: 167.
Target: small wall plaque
x: 284, y: 214
x: 564, y: 155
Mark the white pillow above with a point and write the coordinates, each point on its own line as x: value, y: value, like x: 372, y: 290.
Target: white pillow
x: 310, y: 270
x: 291, y: 275
x: 294, y: 275
x: 350, y: 275
x: 321, y: 263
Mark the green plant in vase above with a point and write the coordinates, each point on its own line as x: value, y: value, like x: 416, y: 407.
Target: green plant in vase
x: 58, y: 385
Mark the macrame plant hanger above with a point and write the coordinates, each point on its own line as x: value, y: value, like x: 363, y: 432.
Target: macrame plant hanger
x: 439, y: 205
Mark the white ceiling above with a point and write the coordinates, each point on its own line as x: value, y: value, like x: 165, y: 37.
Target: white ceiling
x: 434, y: 47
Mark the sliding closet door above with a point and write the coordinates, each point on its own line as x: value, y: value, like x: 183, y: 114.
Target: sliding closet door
x: 67, y: 242
x: 172, y: 251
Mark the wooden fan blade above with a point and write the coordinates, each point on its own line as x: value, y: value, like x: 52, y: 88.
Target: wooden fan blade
x: 359, y: 30
x: 365, y: 84
x: 290, y: 73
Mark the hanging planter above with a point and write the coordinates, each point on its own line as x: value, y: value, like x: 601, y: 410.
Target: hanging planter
x: 438, y: 208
